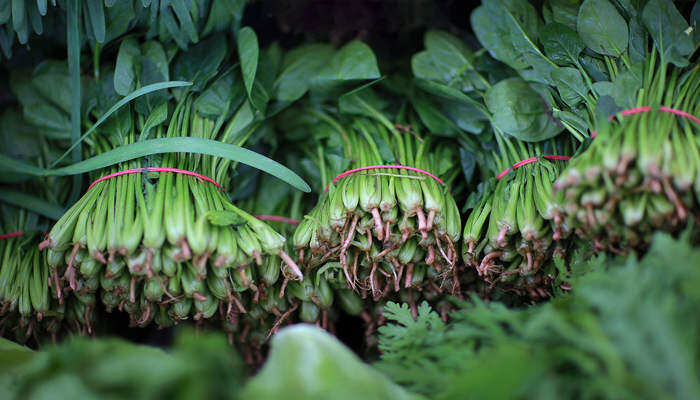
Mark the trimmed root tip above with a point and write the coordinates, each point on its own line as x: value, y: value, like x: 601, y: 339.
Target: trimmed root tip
x: 378, y: 224
x: 46, y: 243
x: 291, y: 264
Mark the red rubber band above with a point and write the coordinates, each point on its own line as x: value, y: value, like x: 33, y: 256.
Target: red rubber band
x: 414, y: 169
x: 277, y: 219
x: 158, y: 169
x: 530, y: 161
x: 640, y: 110
x: 11, y: 234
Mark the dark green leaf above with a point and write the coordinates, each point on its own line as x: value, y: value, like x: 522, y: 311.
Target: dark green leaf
x: 96, y: 15
x: 561, y: 43
x: 570, y: 85
x: 248, y: 55
x: 160, y: 146
x: 668, y: 28
x: 200, y: 63
x: 125, y: 69
x: 602, y: 28
x: 298, y: 67
x: 521, y: 111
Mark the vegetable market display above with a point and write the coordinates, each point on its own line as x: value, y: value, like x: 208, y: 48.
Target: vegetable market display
x: 523, y: 184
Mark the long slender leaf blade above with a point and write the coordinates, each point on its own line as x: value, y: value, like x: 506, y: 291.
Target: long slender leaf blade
x: 248, y: 52
x: 135, y: 94
x: 32, y: 203
x: 160, y: 146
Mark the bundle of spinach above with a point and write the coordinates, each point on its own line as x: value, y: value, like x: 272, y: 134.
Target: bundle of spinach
x: 601, y: 59
x: 379, y: 232
x: 627, y: 330
x: 513, y: 231
x: 163, y: 246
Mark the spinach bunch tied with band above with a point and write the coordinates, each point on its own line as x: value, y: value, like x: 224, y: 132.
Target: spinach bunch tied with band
x: 511, y: 235
x: 166, y: 247
x: 604, y: 61
x: 375, y: 233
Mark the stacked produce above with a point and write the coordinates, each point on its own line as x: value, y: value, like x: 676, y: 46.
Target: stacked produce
x: 514, y: 231
x: 513, y: 236
x: 640, y: 174
x: 29, y: 312
x: 602, y: 340
x: 166, y: 244
x: 625, y: 71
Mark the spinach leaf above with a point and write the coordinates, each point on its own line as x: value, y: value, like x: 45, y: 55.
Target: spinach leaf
x: 668, y: 29
x: 125, y: 69
x: 200, y: 63
x: 298, y: 66
x: 561, y: 43
x: 508, y: 29
x: 521, y: 111
x: 248, y: 52
x: 570, y: 85
x: 602, y: 28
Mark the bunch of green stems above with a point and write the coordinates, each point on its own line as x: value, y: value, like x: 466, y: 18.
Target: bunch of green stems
x: 641, y: 173
x: 166, y: 247
x: 378, y: 232
x: 515, y: 230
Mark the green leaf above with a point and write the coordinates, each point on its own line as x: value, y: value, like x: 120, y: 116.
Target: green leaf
x: 521, y: 111
x: 570, y: 85
x: 354, y: 61
x: 668, y: 29
x: 330, y: 370
x: 602, y: 28
x: 32, y: 203
x: 97, y: 19
x: 625, y: 87
x: 224, y: 218
x: 298, y: 66
x: 125, y: 69
x: 561, y: 43
x: 248, y: 52
x: 433, y: 118
x: 118, y: 18
x: 200, y: 63
x: 161, y: 146
x: 450, y: 56
x: 133, y: 95
x: 213, y: 101
x: 155, y: 118
x: 509, y: 29
x: 154, y: 69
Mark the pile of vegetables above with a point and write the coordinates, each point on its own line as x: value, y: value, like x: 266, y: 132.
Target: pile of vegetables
x: 522, y: 185
x: 627, y: 330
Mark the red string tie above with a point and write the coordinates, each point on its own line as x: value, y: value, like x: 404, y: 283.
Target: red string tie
x: 530, y: 161
x: 414, y: 169
x: 158, y: 169
x: 11, y: 234
x: 277, y: 218
x: 644, y: 109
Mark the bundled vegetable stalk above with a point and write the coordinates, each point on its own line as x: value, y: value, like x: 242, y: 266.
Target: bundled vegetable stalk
x: 173, y: 248
x: 514, y: 234
x: 629, y: 61
x: 641, y: 172
x: 29, y: 309
x: 380, y: 232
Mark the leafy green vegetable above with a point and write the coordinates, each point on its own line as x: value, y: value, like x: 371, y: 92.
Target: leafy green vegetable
x: 602, y: 28
x: 307, y: 363
x: 627, y: 330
